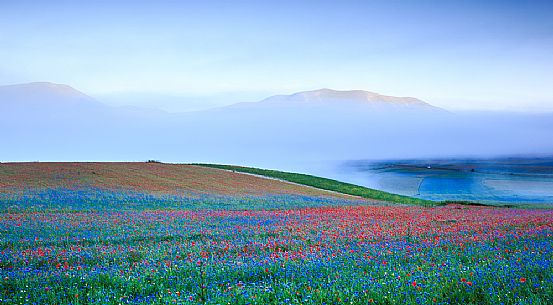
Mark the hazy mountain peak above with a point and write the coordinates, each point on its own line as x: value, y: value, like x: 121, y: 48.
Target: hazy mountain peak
x: 341, y: 100
x: 44, y: 100
x: 44, y: 88
x: 362, y: 96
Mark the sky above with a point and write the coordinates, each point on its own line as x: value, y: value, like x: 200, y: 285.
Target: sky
x: 470, y: 55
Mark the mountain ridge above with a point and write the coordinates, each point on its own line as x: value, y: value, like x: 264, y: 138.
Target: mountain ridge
x: 46, y: 87
x: 43, y: 94
x: 355, y: 94
x: 45, y: 128
x: 334, y: 98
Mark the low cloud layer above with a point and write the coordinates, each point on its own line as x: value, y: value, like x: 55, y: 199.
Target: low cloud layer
x: 271, y: 135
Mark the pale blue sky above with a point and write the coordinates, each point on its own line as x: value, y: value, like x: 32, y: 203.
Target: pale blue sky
x: 454, y: 54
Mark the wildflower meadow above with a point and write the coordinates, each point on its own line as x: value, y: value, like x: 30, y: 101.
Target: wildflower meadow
x: 97, y: 247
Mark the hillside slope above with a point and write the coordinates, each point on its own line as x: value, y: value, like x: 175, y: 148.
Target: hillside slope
x: 144, y: 177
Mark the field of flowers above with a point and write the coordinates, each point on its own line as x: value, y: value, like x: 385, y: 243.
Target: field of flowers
x: 153, y: 178
x: 99, y: 247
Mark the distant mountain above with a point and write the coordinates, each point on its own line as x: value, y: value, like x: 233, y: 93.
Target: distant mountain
x: 47, y: 99
x: 41, y: 89
x: 45, y: 121
x: 358, y: 99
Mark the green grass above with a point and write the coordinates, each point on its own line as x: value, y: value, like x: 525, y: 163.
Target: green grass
x: 326, y: 184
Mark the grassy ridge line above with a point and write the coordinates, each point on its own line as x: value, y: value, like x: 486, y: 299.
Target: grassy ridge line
x: 326, y: 184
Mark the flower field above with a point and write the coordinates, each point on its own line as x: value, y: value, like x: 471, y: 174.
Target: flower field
x: 311, y: 251
x: 153, y: 178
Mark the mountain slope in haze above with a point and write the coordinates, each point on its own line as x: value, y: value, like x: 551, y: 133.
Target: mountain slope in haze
x: 47, y: 98
x: 40, y: 101
x: 357, y: 99
x: 43, y: 121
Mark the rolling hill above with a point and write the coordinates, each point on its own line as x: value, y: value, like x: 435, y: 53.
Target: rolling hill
x: 149, y: 177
